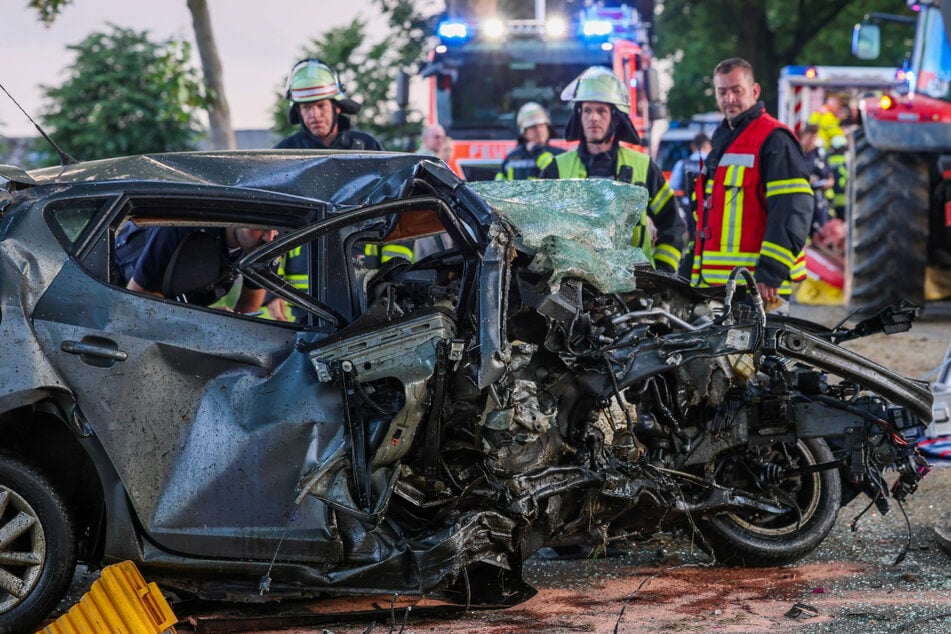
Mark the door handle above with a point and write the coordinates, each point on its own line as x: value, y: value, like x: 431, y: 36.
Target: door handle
x: 97, y: 351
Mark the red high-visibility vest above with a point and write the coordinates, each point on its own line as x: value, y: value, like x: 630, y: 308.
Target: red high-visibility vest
x: 731, y: 211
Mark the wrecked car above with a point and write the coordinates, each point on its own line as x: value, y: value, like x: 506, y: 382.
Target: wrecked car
x: 524, y: 380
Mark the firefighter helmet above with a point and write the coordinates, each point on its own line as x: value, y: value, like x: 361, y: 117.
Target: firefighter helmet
x: 598, y: 84
x: 531, y: 114
x: 313, y: 80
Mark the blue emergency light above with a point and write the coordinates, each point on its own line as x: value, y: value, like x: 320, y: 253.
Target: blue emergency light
x: 453, y: 31
x: 597, y: 28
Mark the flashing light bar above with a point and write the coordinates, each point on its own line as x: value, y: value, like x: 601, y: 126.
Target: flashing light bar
x: 556, y: 27
x: 597, y: 28
x: 594, y: 25
x: 493, y: 28
x: 453, y: 30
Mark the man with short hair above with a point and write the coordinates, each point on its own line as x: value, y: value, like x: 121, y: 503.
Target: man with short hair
x: 145, y: 262
x: 319, y: 105
x: 599, y: 119
x: 754, y: 202
x: 431, y: 140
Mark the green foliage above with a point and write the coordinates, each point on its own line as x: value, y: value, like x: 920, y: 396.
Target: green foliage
x: 125, y: 94
x: 367, y: 67
x: 697, y: 34
x: 48, y: 10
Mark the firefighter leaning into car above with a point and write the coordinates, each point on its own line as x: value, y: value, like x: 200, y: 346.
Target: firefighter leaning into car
x: 599, y: 119
x: 143, y: 257
x: 533, y: 153
x: 320, y: 106
x: 754, y: 202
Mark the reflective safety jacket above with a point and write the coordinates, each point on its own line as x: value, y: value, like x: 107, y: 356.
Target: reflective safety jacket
x: 523, y: 164
x: 750, y: 213
x: 828, y: 124
x: 661, y: 207
x: 839, y: 166
x: 375, y: 254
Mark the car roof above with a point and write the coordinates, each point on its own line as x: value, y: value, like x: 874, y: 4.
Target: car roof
x: 336, y: 176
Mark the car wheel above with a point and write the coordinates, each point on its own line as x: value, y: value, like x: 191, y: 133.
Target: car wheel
x: 757, y: 538
x: 37, y: 546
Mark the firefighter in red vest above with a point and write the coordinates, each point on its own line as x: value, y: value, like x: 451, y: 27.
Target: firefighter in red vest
x: 755, y: 204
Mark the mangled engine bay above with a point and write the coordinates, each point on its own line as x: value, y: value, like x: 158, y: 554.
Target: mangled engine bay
x: 587, y: 399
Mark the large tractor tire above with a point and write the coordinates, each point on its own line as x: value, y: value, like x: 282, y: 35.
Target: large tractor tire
x: 886, y: 247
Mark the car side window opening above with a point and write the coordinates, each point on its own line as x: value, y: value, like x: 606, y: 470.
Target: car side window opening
x: 344, y: 263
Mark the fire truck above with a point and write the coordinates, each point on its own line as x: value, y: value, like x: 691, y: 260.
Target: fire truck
x: 481, y: 71
x: 803, y: 89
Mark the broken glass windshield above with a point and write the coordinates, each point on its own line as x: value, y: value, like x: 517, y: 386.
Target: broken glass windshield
x: 578, y: 228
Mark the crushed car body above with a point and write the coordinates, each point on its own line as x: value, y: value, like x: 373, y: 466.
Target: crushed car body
x: 523, y: 379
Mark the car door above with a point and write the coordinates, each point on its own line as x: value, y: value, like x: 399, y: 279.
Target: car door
x: 210, y: 418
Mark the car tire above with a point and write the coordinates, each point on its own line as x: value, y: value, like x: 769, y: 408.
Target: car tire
x: 763, y: 539
x: 37, y: 546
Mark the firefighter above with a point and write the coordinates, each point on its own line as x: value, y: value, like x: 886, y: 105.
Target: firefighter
x: 683, y: 178
x: 828, y: 119
x: 533, y: 153
x: 320, y: 106
x: 318, y: 103
x: 599, y: 119
x: 838, y: 157
x: 754, y: 200
x: 821, y: 176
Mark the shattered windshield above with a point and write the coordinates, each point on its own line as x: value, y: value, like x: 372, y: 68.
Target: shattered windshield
x: 578, y: 228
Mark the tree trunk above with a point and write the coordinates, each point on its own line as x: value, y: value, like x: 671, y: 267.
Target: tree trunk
x: 221, y: 134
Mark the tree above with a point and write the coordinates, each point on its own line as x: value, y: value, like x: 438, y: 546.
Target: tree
x: 368, y: 68
x: 221, y: 132
x: 696, y: 34
x: 125, y: 95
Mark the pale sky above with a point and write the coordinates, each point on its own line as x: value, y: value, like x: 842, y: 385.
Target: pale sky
x: 258, y: 42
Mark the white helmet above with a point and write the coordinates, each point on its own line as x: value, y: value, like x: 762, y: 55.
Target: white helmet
x: 531, y: 114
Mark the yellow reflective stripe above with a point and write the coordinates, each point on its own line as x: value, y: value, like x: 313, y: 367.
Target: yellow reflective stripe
x: 725, y: 258
x: 660, y: 199
x: 788, y: 186
x: 733, y: 208
x: 298, y: 281
x: 544, y: 160
x: 668, y: 254
x: 715, y: 278
x: 798, y: 270
x: 391, y: 251
x: 371, y: 249
x: 779, y: 253
x: 719, y: 278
